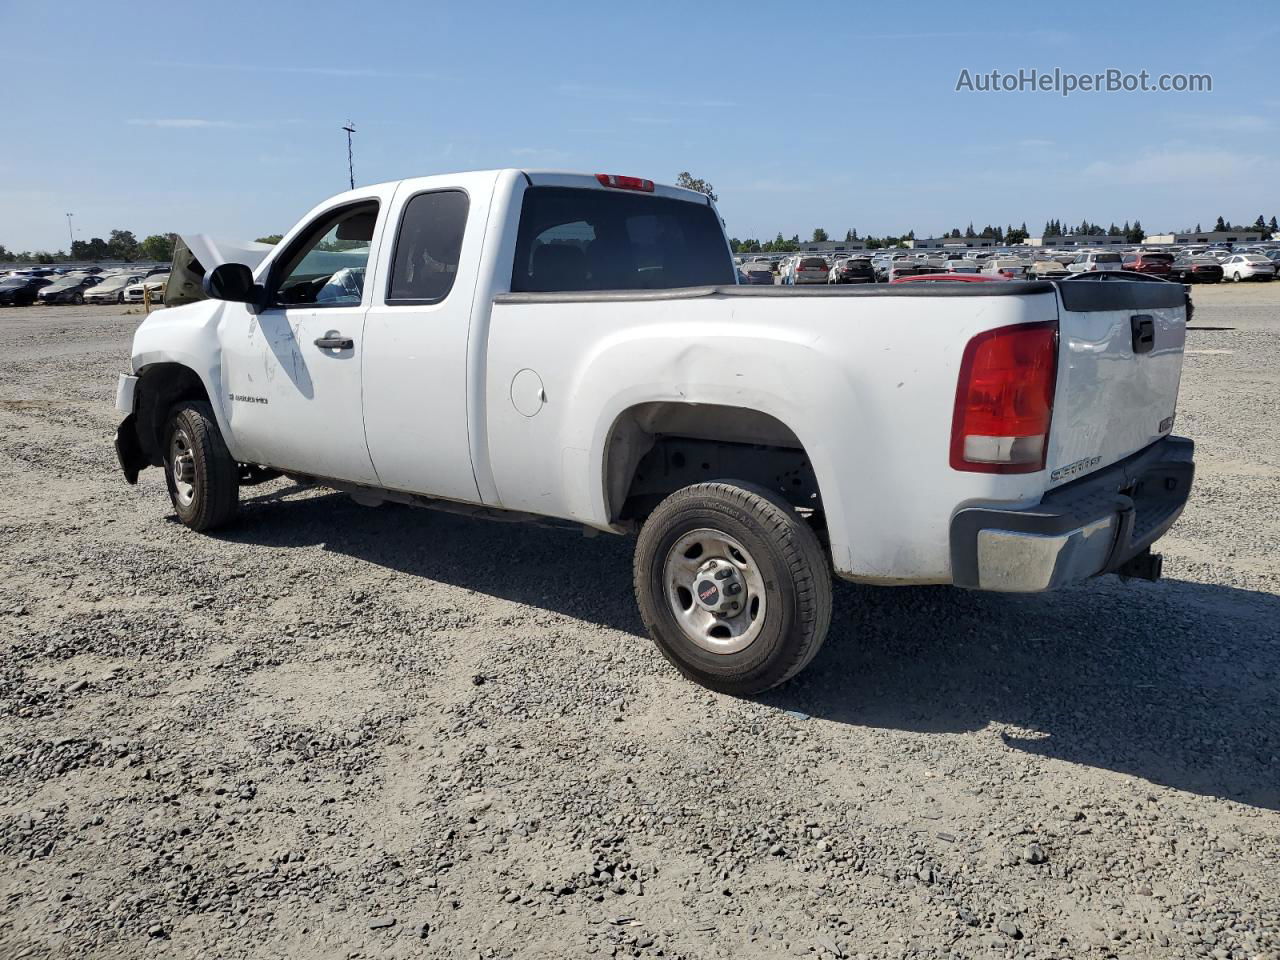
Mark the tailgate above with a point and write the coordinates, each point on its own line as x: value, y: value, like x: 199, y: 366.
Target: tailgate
x: 1119, y: 365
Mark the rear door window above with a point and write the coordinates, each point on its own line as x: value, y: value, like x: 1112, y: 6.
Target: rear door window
x: 582, y: 239
x: 428, y: 247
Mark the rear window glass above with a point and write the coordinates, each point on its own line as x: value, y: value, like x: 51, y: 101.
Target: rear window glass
x: 810, y: 263
x: 574, y: 239
x: 1107, y: 258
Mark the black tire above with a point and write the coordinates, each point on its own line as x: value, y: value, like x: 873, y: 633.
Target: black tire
x: 78, y: 299
x: 120, y: 297
x: 213, y: 473
x: 792, y: 566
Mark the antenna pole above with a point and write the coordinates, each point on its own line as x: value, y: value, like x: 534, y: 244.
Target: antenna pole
x: 351, y: 169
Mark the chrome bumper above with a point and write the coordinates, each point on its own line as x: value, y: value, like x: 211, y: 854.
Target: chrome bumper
x: 1091, y: 526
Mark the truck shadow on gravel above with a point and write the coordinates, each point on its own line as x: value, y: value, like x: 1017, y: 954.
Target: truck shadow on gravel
x: 1173, y: 682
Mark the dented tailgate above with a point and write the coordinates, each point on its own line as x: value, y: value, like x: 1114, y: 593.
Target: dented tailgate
x: 1119, y: 367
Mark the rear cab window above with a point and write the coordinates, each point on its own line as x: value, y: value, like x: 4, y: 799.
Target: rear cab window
x: 574, y: 239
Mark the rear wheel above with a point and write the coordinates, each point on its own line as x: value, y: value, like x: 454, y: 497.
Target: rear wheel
x: 733, y: 586
x: 202, y: 476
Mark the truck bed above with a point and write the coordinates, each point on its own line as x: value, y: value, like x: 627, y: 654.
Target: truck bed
x: 867, y: 383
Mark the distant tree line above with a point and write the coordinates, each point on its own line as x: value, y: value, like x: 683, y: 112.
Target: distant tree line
x: 119, y: 245
x: 1009, y: 234
x: 1131, y: 232
x: 1260, y: 225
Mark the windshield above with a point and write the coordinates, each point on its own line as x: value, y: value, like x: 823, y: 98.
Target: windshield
x: 14, y: 282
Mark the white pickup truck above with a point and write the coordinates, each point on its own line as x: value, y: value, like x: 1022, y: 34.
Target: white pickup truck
x: 575, y: 347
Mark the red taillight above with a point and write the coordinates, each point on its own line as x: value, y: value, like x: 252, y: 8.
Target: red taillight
x: 625, y: 183
x: 1004, y: 400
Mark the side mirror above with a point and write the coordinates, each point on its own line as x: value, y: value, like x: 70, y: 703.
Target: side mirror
x: 234, y: 282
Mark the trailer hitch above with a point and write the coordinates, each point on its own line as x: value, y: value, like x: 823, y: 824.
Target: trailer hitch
x: 1144, y: 566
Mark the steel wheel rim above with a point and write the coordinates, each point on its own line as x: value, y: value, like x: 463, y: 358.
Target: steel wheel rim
x: 695, y: 559
x: 182, y: 468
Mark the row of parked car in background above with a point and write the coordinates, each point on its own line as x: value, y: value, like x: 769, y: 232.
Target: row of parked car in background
x: 1183, y: 265
x: 45, y: 285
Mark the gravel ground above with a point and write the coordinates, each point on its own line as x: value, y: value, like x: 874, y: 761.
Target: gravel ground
x: 340, y: 732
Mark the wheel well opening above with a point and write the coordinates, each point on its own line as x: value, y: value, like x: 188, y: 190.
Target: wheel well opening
x: 657, y: 448
x: 160, y: 386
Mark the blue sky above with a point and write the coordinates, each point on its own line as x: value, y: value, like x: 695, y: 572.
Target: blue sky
x: 153, y: 117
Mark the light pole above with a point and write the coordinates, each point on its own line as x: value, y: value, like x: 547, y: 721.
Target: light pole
x: 71, y: 237
x: 351, y: 170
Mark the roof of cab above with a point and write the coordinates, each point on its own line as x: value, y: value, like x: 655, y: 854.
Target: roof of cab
x: 541, y: 178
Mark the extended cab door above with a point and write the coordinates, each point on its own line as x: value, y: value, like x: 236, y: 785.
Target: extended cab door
x: 292, y: 371
x: 415, y: 350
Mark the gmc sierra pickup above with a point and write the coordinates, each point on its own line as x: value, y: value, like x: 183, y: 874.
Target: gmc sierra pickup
x: 576, y: 347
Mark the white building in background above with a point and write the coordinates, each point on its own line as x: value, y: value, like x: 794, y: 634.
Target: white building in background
x: 1210, y: 236
x: 1081, y: 240
x: 959, y: 243
x: 831, y: 246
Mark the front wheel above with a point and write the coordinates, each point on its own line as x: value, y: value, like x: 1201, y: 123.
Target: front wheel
x: 120, y: 297
x: 202, y: 476
x: 733, y: 586
x: 78, y: 299
x: 1236, y: 276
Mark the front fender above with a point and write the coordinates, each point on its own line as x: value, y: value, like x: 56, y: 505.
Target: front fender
x: 187, y: 336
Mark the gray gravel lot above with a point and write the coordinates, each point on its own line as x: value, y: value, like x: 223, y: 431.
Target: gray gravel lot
x: 333, y: 731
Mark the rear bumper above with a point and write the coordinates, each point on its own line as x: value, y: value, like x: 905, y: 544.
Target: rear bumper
x: 1091, y: 526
